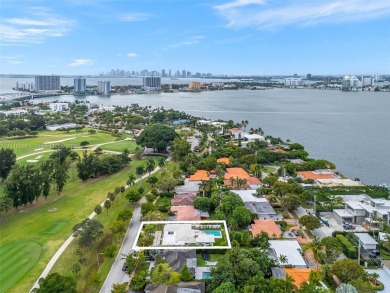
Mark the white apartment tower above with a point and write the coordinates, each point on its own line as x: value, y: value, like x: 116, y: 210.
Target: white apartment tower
x: 104, y: 87
x: 80, y: 86
x: 47, y: 83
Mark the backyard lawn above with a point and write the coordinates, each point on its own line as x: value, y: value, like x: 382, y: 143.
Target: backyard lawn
x: 40, y: 229
x: 120, y: 146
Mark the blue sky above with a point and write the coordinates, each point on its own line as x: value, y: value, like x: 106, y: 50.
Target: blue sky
x: 223, y: 37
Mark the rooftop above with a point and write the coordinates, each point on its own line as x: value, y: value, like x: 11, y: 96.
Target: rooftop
x: 260, y: 208
x: 337, y: 182
x: 186, y: 213
x: 225, y: 161
x: 247, y: 195
x: 299, y: 275
x: 267, y: 226
x: 365, y: 238
x: 317, y: 174
x: 183, y: 199
x: 200, y: 175
x: 289, y: 248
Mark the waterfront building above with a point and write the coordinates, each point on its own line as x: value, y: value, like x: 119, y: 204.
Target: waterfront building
x: 25, y: 86
x: 184, y: 73
x: 163, y: 73
x: 293, y: 81
x: 368, y: 81
x: 308, y: 76
x: 58, y: 107
x: 104, y: 87
x: 349, y: 83
x: 152, y: 83
x: 47, y: 83
x: 194, y: 85
x: 80, y: 86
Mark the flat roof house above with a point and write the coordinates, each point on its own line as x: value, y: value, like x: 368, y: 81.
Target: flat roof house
x: 267, y: 226
x: 253, y: 137
x: 317, y: 174
x: 289, y: 248
x: 366, y: 241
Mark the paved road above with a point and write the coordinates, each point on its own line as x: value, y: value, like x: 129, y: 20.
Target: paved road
x: 116, y: 275
x: 58, y: 253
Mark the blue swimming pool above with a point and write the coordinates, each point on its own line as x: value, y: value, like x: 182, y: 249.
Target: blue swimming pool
x: 215, y: 233
x: 207, y: 275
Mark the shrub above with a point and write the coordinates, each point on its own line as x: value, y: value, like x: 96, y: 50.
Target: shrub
x: 348, y: 249
x: 125, y: 215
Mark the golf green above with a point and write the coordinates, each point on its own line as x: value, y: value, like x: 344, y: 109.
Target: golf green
x: 16, y: 259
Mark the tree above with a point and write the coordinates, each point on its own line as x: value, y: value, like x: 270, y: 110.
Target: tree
x: 226, y: 287
x: 363, y: 286
x: 164, y: 274
x: 185, y: 274
x: 56, y: 283
x: 84, y: 143
x: 60, y: 175
x: 107, y: 205
x: 290, y: 202
x: 332, y: 246
x: 119, y: 288
x: 242, y: 216
x: 310, y: 222
x: 89, y: 232
x: 7, y: 160
x: 5, y: 205
x: 202, y: 203
x: 98, y: 209
x: 166, y: 183
x: 180, y: 148
x: 157, y: 136
x: 140, y: 171
x: 110, y: 250
x: 162, y: 162
x: 315, y: 245
x: 347, y: 270
x: 130, y: 181
x: 283, y: 259
x: 346, y: 288
x: 94, y: 279
x: 133, y: 196
x: 150, y: 166
x: 111, y: 196
x: 76, y: 268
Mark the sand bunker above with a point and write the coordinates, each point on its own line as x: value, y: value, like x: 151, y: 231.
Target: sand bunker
x: 32, y: 161
x: 57, y: 141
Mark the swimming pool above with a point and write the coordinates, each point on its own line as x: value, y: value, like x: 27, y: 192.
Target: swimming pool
x: 215, y: 233
x: 207, y: 275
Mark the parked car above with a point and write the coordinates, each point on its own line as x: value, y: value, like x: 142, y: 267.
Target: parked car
x: 372, y: 254
x: 295, y: 232
x: 125, y: 267
x: 376, y: 252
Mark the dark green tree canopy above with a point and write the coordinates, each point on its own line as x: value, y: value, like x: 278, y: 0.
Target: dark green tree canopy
x: 7, y: 160
x: 55, y: 283
x: 157, y: 136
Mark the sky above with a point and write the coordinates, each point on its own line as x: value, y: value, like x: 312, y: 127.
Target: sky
x: 246, y: 37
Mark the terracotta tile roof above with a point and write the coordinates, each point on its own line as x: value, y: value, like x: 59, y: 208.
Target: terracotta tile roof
x: 241, y: 174
x: 299, y: 275
x: 185, y: 213
x: 317, y: 175
x: 200, y: 175
x: 184, y: 199
x: 267, y: 226
x: 225, y: 161
x: 280, y: 151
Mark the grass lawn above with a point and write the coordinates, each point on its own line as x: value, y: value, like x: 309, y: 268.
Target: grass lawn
x: 39, y: 226
x: 120, y: 146
x: 47, y: 139
x: 268, y: 169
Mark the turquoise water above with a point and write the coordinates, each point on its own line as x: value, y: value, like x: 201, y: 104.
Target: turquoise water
x: 215, y: 233
x: 206, y: 275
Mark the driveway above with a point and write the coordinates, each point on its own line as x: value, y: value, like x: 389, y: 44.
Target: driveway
x: 300, y: 211
x: 116, y: 275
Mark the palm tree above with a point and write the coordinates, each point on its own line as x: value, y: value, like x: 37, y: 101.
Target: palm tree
x: 150, y: 166
x: 111, y: 196
x: 283, y: 259
x: 374, y: 278
x: 107, y: 205
x: 162, y: 162
x: 203, y: 186
x: 130, y: 181
x: 316, y: 246
x: 140, y: 171
x: 98, y: 209
x: 290, y: 286
x: 232, y: 182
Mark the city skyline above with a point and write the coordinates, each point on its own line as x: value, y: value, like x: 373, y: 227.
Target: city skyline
x: 239, y: 37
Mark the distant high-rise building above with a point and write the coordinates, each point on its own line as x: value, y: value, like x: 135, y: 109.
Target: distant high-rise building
x: 368, y: 81
x: 184, y: 73
x: 80, y: 86
x: 47, y: 83
x: 163, y: 73
x: 293, y: 82
x: 308, y: 76
x: 170, y: 75
x: 327, y: 80
x: 152, y: 83
x: 104, y: 87
x: 188, y: 73
x: 350, y: 83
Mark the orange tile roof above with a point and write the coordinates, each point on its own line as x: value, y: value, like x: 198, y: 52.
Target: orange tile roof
x: 299, y: 275
x: 236, y: 172
x: 267, y: 226
x: 313, y: 175
x: 185, y: 213
x: 280, y: 151
x: 225, y: 161
x: 200, y: 175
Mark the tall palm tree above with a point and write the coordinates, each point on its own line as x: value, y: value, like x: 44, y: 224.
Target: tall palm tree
x: 203, y: 187
x: 140, y: 171
x: 290, y: 286
x: 130, y: 181
x: 150, y: 166
x: 232, y: 181
x: 374, y: 278
x: 283, y: 259
x: 162, y: 162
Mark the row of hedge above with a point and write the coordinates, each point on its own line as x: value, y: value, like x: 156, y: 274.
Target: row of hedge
x: 348, y: 249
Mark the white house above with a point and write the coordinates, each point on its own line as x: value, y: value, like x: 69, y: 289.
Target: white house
x: 58, y: 107
x: 290, y: 249
x: 366, y: 241
x: 253, y: 137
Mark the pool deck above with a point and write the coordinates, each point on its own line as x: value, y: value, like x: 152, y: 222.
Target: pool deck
x: 199, y: 272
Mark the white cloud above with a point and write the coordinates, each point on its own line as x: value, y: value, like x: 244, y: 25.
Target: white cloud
x: 11, y: 60
x: 131, y: 55
x: 135, y: 16
x: 260, y: 14
x: 81, y: 62
x: 35, y: 29
x: 192, y: 41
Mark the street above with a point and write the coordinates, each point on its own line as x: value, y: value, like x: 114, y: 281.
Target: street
x: 116, y: 275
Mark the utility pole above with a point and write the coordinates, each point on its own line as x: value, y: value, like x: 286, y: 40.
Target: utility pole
x: 359, y: 252
x: 97, y: 256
